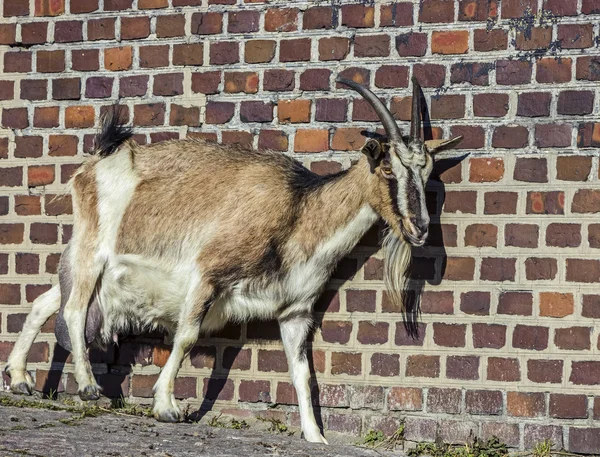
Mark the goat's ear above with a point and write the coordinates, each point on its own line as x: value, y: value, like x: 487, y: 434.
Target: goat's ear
x: 373, y: 150
x: 435, y: 146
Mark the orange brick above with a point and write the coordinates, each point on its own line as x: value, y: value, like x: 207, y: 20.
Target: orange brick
x: 40, y: 175
x: 555, y: 304
x: 349, y: 139
x: 486, y: 169
x: 160, y: 355
x: 311, y: 141
x: 293, y: 111
x: 49, y: 7
x: 456, y: 42
x: 118, y: 59
x: 79, y: 117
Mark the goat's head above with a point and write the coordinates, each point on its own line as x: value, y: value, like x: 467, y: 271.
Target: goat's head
x: 401, y: 169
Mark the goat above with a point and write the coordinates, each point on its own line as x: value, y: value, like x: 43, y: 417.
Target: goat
x: 188, y: 235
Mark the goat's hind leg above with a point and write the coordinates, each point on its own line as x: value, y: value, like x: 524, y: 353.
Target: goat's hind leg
x: 192, y: 313
x: 43, y: 307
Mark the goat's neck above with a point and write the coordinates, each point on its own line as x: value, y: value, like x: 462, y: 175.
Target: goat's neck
x: 337, y: 213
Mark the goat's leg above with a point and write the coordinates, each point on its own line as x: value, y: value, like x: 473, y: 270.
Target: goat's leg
x: 43, y: 307
x: 190, y: 319
x: 294, y: 333
x: 85, y: 277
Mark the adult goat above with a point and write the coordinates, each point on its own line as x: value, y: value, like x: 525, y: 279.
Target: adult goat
x: 188, y: 235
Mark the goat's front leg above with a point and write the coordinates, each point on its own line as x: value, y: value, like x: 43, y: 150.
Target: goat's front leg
x: 43, y: 307
x: 294, y: 333
x: 190, y: 319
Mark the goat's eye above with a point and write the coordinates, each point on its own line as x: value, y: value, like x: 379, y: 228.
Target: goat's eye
x: 387, y: 171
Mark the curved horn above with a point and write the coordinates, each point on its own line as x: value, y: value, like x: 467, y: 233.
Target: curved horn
x: 389, y: 124
x: 415, y: 121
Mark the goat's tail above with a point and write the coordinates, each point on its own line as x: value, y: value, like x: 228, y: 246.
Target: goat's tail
x: 113, y: 132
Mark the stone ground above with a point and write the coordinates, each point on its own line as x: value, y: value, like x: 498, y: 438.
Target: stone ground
x: 41, y: 432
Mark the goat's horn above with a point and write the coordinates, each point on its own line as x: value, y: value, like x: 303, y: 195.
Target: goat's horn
x: 415, y: 122
x: 389, y: 124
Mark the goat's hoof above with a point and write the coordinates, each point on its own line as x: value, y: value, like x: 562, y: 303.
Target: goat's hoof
x: 90, y: 393
x: 168, y: 415
x: 22, y: 388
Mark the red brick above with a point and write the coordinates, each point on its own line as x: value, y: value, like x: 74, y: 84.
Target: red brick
x: 372, y: 46
x: 396, y: 15
x: 530, y: 337
x: 425, y: 366
x: 207, y: 23
x: 134, y: 28
x: 243, y: 21
x: 449, y: 335
x: 17, y: 62
x: 459, y: 268
x: 477, y: 10
x: 561, y: 7
x: 68, y: 31
x: 475, y: 302
x: 224, y: 52
x: 259, y: 51
x: 170, y: 25
x: 40, y: 175
x: 583, y: 270
x: 523, y: 404
x: 385, y: 364
x: 358, y: 16
x: 510, y: 72
x: 568, y: 406
x: 101, y: 29
x: 411, y: 44
x: 149, y: 114
x: 118, y: 59
x: 318, y: 17
x: 503, y: 369
x: 490, y: 40
x: 571, y: 102
x: 450, y: 42
x: 405, y: 399
x: 281, y: 20
x: 575, y: 36
x: 585, y: 372
x: 573, y: 338
x: 481, y: 235
x: 436, y: 11
x: 500, y: 203
x: 586, y: 201
x: 346, y: 363
x: 545, y: 371
x: 297, y: 50
x: 66, y: 89
x: 34, y: 33
x: 462, y: 367
x: 443, y: 400
x: 487, y: 402
x: 492, y: 336
x: 28, y: 205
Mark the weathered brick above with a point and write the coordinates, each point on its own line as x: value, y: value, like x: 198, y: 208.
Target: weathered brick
x: 396, y: 15
x: 207, y: 23
x: 243, y: 21
x: 487, y: 402
x: 436, y: 11
x: 372, y: 46
x: 450, y: 42
x: 443, y: 400
x: 563, y: 235
x: 279, y: 80
x: 311, y: 140
x: 385, y: 365
x: 334, y: 48
x: 411, y: 44
x: 490, y: 40
x: 318, y: 17
x: 424, y: 366
x: 224, y: 52
x: 459, y: 268
x: 583, y: 270
x: 281, y: 20
x: 523, y: 404
x: 358, y: 16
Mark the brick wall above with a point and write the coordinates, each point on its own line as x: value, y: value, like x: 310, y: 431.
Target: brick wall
x: 508, y: 343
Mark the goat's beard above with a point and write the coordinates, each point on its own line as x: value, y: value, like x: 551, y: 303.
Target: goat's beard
x: 397, y: 259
